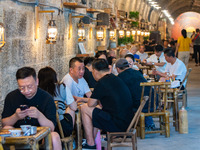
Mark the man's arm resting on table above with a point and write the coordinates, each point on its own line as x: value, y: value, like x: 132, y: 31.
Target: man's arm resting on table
x: 88, y: 94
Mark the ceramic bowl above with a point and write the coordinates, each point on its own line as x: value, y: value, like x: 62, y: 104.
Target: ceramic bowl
x: 15, y: 133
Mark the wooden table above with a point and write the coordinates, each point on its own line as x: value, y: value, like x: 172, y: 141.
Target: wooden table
x: 29, y: 141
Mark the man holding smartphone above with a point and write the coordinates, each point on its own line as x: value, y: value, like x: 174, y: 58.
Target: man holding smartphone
x: 40, y: 109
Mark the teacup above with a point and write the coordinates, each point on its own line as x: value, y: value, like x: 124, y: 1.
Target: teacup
x: 15, y: 133
x: 25, y: 127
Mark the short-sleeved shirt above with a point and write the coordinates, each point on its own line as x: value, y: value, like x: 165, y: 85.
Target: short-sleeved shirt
x: 178, y: 69
x: 153, y: 58
x: 43, y: 101
x: 116, y: 100
x: 184, y: 44
x: 197, y: 40
x: 63, y: 97
x: 77, y: 89
x: 89, y: 78
x: 142, y: 55
x: 132, y: 78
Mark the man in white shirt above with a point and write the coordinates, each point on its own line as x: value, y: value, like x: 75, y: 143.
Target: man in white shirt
x: 141, y: 53
x: 74, y: 79
x: 157, y: 59
x: 175, y: 68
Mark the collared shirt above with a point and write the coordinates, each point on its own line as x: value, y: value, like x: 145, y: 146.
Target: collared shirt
x: 178, y: 69
x: 77, y: 89
x: 142, y: 56
x: 155, y: 59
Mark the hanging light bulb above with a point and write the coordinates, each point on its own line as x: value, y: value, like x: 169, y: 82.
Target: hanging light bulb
x: 51, y: 31
x: 81, y: 32
x: 112, y: 34
x: 121, y: 33
x: 128, y: 33
x: 2, y: 42
x: 100, y: 34
x: 138, y: 32
x: 133, y: 32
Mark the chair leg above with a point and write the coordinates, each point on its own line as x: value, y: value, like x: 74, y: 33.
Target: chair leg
x: 161, y: 123
x: 70, y: 145
x: 65, y: 145
x: 167, y: 127
x: 142, y: 126
x: 134, y: 141
x: 108, y: 142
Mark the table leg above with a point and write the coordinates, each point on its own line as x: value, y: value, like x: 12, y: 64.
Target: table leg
x: 48, y: 142
x: 35, y: 146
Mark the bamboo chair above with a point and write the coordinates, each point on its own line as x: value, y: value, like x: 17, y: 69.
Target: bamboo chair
x: 163, y: 114
x: 177, y: 95
x: 126, y: 141
x: 67, y: 141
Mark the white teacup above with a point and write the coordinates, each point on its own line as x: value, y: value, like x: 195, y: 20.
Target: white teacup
x: 15, y: 133
x: 25, y: 127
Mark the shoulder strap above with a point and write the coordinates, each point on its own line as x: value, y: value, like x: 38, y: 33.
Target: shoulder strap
x: 195, y: 37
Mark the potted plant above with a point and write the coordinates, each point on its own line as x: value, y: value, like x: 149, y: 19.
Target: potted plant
x: 134, y: 24
x: 134, y: 15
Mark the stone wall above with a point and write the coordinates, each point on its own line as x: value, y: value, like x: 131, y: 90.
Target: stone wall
x: 21, y: 48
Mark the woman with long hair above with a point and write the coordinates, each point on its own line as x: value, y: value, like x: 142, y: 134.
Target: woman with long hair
x: 61, y: 93
x: 183, y: 47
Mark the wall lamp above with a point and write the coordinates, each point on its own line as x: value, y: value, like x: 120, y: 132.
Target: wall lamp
x: 51, y: 31
x: 128, y: 33
x: 81, y: 32
x: 2, y: 33
x: 112, y: 34
x: 121, y: 33
x: 100, y: 34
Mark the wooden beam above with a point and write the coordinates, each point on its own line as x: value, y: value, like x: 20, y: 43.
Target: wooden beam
x: 74, y: 5
x: 70, y: 26
x: 46, y: 11
x: 77, y: 16
x: 36, y: 21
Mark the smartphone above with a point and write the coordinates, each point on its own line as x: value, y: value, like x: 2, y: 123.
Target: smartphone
x: 24, y: 107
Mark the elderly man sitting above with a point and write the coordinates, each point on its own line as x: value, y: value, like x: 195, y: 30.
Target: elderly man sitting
x: 112, y: 94
x: 175, y: 67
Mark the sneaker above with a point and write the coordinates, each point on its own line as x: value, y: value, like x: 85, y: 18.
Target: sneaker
x: 86, y: 146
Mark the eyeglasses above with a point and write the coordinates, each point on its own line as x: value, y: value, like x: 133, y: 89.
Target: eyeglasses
x: 23, y: 88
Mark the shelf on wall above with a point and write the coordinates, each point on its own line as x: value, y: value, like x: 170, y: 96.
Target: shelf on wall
x: 92, y: 10
x: 74, y: 5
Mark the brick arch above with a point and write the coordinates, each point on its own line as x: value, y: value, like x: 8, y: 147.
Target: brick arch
x: 184, y: 21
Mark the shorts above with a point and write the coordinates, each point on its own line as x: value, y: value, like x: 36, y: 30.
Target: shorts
x: 67, y: 125
x: 103, y: 120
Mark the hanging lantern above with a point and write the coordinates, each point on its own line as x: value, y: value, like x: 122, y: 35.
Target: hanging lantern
x: 51, y: 31
x: 128, y: 33
x: 133, y: 32
x: 112, y: 34
x: 100, y: 34
x: 142, y: 33
x: 81, y: 32
x: 2, y: 42
x: 121, y: 33
x: 138, y: 32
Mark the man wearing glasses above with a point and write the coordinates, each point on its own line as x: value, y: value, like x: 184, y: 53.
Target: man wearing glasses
x: 40, y: 109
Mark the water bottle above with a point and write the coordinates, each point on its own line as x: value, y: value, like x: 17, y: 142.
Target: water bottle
x: 183, y: 121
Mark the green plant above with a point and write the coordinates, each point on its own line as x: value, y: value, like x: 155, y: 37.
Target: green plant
x: 134, y: 14
x: 145, y: 38
x: 134, y: 24
x: 125, y: 40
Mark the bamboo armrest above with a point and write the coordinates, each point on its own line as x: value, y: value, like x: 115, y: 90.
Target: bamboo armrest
x: 154, y: 83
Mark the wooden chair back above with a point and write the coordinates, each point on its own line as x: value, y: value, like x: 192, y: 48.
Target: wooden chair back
x: 64, y: 140
x: 130, y: 132
x: 185, y: 79
x: 156, y: 86
x: 158, y: 110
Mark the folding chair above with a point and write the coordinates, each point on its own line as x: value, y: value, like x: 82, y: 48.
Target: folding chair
x: 128, y: 138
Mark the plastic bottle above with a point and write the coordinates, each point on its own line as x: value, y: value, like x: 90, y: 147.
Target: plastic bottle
x: 168, y: 77
x: 98, y: 140
x: 183, y: 121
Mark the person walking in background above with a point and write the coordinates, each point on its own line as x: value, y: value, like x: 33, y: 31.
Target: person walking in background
x: 183, y: 47
x: 196, y: 40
